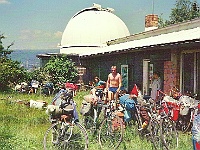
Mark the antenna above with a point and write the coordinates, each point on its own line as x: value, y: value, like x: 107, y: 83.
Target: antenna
x: 152, y: 6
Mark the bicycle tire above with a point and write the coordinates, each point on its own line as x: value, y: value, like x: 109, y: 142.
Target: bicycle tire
x: 138, y: 121
x: 185, y: 124
x: 138, y: 125
x: 71, y: 137
x: 169, y: 134
x: 92, y: 125
x: 187, y: 127
x: 84, y: 131
x: 88, y: 122
x: 155, y: 133
x: 111, y: 136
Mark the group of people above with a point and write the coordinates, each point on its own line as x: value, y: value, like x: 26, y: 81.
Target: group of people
x: 114, y: 84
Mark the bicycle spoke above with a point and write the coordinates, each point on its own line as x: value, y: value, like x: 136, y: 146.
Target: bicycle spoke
x: 169, y: 133
x: 70, y: 137
x: 111, y: 132
x: 155, y: 131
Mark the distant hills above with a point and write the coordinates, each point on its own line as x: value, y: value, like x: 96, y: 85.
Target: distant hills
x: 28, y: 57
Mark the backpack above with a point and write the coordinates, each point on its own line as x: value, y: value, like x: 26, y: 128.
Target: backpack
x: 128, y: 103
x: 85, y: 108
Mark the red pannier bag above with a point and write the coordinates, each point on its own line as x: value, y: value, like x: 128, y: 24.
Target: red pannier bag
x: 197, y: 144
x: 175, y: 109
x: 116, y: 121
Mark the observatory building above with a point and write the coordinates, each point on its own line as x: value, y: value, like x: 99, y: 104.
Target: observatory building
x: 95, y: 39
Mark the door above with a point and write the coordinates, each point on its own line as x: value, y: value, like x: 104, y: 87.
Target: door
x: 191, y: 72
x: 147, y: 76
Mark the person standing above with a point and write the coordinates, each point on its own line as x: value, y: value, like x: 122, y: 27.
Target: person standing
x: 156, y: 86
x: 114, y: 83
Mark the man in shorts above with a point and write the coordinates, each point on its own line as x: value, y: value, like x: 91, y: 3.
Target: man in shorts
x: 114, y: 84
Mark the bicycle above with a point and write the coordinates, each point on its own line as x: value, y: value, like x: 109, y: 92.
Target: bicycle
x: 169, y: 134
x: 152, y: 129
x: 188, y: 109
x: 148, y: 123
x: 111, y: 129
x: 93, y: 119
x: 65, y: 132
x: 154, y: 125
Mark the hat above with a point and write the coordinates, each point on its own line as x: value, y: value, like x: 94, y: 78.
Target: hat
x: 135, y: 91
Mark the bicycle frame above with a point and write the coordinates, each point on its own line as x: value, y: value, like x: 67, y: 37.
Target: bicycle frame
x: 137, y: 115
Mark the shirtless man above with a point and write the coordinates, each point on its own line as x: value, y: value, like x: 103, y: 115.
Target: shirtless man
x: 114, y: 83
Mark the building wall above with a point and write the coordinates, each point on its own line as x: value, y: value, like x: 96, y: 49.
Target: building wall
x: 100, y: 65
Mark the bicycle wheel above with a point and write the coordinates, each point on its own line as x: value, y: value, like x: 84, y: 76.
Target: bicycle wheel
x: 142, y: 132
x: 138, y: 121
x: 91, y: 123
x: 184, y: 123
x: 63, y: 137
x: 186, y: 127
x: 155, y: 133
x: 169, y: 134
x: 111, y: 132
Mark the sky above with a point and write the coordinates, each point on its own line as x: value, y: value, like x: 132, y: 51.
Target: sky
x: 39, y: 24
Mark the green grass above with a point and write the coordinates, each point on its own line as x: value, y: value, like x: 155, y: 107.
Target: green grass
x: 23, y: 128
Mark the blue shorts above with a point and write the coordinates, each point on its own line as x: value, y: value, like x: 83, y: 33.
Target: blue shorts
x: 113, y: 89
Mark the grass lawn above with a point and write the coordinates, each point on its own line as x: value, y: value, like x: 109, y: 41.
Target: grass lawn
x: 23, y: 128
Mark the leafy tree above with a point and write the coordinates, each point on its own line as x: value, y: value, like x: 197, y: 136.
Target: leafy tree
x: 60, y: 70
x: 10, y: 71
x: 37, y: 74
x: 184, y: 10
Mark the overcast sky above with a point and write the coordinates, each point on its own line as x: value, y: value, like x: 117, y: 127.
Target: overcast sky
x: 39, y: 24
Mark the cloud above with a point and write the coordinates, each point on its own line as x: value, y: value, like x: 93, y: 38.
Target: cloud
x: 58, y: 34
x: 39, y: 34
x: 4, y: 2
x: 38, y: 39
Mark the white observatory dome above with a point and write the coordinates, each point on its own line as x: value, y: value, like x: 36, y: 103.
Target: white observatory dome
x: 90, y: 29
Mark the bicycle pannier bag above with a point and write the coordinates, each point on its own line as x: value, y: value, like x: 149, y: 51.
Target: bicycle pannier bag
x: 85, y: 108
x: 90, y: 98
x: 128, y: 103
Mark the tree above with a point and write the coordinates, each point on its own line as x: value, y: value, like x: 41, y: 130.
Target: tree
x: 10, y: 71
x: 60, y: 70
x: 184, y: 10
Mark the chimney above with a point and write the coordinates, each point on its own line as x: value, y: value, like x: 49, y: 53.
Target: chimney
x: 151, y: 22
